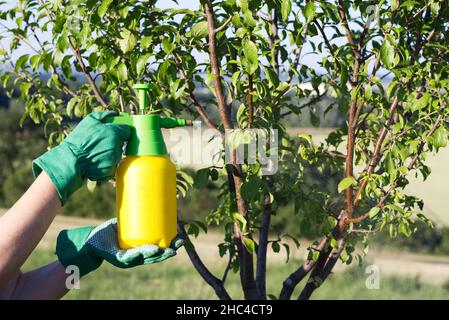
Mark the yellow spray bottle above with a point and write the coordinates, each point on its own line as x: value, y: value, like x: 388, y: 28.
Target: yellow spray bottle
x: 146, y: 180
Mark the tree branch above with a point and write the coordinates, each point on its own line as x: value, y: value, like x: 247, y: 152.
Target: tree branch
x: 312, y: 283
x: 224, y: 25
x: 327, y: 43
x: 349, y: 35
x: 228, y: 266
x: 213, y: 281
x: 330, y: 264
x: 86, y: 73
x: 309, y: 103
x: 245, y: 257
x: 198, y: 107
x: 263, y: 243
x: 296, y: 277
x: 224, y: 110
x: 375, y: 156
x: 381, y: 202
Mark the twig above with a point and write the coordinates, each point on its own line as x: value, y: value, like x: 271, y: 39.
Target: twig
x: 198, y: 107
x: 298, y: 53
x: 327, y: 42
x: 228, y: 266
x: 375, y: 156
x: 86, y: 73
x: 420, y: 11
x: 309, y: 103
x: 224, y: 25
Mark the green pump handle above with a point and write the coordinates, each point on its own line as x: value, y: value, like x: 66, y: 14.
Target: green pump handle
x: 146, y: 138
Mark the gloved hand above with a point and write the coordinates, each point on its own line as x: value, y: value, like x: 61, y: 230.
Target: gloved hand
x: 87, y: 247
x: 91, y: 151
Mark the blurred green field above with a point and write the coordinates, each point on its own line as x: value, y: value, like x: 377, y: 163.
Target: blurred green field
x: 175, y: 279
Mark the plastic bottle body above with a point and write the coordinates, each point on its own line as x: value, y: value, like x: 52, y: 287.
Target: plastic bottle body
x: 146, y: 201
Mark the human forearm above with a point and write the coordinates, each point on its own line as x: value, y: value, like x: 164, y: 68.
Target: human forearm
x: 25, y: 223
x: 47, y: 282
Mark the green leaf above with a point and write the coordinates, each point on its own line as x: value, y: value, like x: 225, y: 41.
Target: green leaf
x: 435, y: 8
x: 239, y: 218
x: 167, y: 45
x: 249, y: 245
x: 201, y: 178
x: 373, y: 212
x: 286, y: 8
x: 34, y: 61
x: 251, y: 57
x: 422, y: 102
x: 103, y: 8
x: 122, y: 72
x: 199, y: 30
x: 248, y: 19
x: 387, y: 54
x: 346, y: 183
x: 394, y: 4
x: 306, y: 136
x: 241, y: 32
x: 276, y: 247
x: 243, y: 4
x: 142, y: 62
x: 146, y: 42
x: 25, y: 88
x: 439, y: 137
x: 368, y: 91
x: 271, y: 76
x: 309, y: 11
x: 242, y: 118
x: 193, y: 230
x: 250, y: 188
x: 128, y: 41
x: 334, y: 243
x: 21, y: 62
x: 71, y: 105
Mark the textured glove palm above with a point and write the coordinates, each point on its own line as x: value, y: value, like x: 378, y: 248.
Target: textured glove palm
x: 91, y: 151
x: 87, y: 247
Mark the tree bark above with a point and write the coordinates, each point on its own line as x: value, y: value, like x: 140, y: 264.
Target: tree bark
x: 204, y: 272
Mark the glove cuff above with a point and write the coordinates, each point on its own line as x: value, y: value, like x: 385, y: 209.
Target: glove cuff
x: 61, y: 165
x: 71, y: 249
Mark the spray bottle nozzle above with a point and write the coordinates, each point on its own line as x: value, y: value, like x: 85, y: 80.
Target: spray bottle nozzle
x: 143, y: 90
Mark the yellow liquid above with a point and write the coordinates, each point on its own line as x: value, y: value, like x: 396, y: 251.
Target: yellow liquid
x: 146, y: 201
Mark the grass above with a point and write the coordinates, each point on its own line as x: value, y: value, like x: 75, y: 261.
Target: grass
x: 175, y: 279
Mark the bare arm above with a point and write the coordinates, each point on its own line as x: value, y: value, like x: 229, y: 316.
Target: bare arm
x: 23, y: 226
x: 47, y: 282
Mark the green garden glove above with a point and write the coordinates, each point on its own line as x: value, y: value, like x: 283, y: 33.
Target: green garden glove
x: 91, y: 151
x: 87, y: 247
